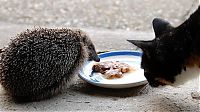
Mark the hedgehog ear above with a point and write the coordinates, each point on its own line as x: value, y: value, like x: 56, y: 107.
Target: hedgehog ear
x: 144, y: 45
x: 160, y: 26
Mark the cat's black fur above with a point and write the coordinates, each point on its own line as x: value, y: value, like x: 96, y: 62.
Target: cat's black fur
x: 172, y: 50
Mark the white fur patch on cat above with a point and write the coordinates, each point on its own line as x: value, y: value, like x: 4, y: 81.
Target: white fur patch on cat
x: 185, y: 76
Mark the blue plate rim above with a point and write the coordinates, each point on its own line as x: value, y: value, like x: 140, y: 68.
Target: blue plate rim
x: 122, y: 52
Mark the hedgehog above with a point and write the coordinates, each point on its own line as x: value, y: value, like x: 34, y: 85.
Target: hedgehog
x: 39, y: 63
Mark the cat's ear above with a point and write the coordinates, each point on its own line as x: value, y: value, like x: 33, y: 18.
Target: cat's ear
x: 160, y: 26
x: 144, y: 45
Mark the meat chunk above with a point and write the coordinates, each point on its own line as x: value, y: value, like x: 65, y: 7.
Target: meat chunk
x: 111, y: 69
x: 113, y: 73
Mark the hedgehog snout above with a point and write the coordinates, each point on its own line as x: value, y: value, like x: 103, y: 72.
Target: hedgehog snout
x: 94, y: 57
x: 97, y: 59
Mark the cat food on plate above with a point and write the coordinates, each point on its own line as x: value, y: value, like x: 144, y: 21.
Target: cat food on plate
x: 111, y: 69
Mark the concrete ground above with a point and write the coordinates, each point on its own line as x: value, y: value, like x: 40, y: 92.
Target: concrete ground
x: 109, y: 24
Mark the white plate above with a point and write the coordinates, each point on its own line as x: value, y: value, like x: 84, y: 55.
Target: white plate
x: 132, y: 79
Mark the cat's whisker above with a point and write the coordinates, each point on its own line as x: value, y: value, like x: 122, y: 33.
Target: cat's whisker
x: 144, y: 88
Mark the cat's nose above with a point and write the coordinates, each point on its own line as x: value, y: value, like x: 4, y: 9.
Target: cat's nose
x: 154, y: 84
x: 151, y: 80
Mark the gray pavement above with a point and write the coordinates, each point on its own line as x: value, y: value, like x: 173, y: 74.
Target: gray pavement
x: 109, y: 14
x: 107, y: 35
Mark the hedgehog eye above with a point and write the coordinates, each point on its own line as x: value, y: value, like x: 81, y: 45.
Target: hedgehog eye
x: 90, y: 47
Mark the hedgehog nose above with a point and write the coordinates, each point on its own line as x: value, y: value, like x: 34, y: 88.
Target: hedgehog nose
x: 97, y: 59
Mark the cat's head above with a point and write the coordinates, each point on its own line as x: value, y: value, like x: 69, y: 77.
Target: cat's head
x: 163, y: 57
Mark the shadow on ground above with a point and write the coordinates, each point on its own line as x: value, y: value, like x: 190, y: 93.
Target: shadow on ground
x: 86, y: 88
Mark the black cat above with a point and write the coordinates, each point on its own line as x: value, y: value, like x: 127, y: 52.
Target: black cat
x: 174, y: 49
